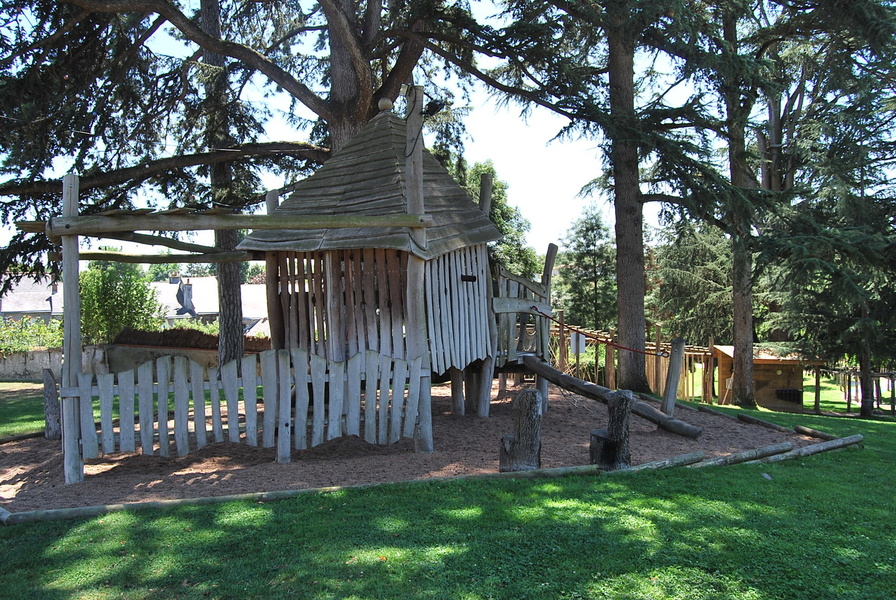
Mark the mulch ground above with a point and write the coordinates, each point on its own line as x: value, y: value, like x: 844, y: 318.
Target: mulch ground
x: 31, y: 474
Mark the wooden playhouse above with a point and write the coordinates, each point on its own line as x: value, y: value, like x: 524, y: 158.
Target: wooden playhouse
x: 378, y: 278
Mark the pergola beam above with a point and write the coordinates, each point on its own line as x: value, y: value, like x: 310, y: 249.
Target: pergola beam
x: 98, y: 225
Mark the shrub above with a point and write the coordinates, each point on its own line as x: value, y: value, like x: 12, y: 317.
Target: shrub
x: 29, y: 333
x: 115, y: 296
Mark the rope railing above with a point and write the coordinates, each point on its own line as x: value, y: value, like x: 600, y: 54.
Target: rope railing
x: 599, y: 340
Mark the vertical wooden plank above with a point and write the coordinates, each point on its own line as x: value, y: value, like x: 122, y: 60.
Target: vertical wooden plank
x: 370, y: 395
x: 197, y: 387
x: 145, y: 406
x: 370, y: 301
x: 286, y: 262
x: 413, y: 401
x: 351, y: 324
x: 89, y: 443
x: 269, y: 392
x: 319, y: 390
x: 106, y: 385
x: 249, y: 369
x: 181, y: 406
x: 397, y: 405
x: 300, y: 367
x: 385, y: 315
x: 352, y: 398
x: 337, y: 392
x: 214, y: 392
x: 163, y: 375
x: 335, y: 303
x: 126, y: 411
x: 320, y: 344
x: 382, y: 415
x: 435, y: 333
x: 359, y: 302
x: 231, y: 387
x: 284, y: 407
x: 396, y: 303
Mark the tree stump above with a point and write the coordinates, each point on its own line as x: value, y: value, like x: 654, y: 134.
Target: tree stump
x: 53, y: 429
x: 609, y: 447
x: 521, y: 450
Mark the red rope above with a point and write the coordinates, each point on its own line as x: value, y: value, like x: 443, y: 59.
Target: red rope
x: 662, y: 354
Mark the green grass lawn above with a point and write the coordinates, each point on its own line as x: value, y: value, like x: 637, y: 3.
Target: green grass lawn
x: 21, y: 409
x: 821, y: 527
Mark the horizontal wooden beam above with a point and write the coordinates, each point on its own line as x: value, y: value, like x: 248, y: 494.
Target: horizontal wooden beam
x: 163, y: 259
x: 98, y: 225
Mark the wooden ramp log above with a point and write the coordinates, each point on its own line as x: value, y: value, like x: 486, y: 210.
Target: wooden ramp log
x: 813, y: 449
x: 739, y: 457
x: 814, y: 433
x: 602, y: 394
x: 521, y: 450
x: 763, y: 423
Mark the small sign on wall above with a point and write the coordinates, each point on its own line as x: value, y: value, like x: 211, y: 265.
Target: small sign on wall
x: 577, y: 342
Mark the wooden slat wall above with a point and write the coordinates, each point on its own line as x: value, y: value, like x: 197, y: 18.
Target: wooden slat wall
x: 341, y: 303
x: 457, y: 310
x: 306, y: 398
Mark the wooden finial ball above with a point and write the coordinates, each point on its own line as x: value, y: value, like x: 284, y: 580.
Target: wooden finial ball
x: 384, y: 104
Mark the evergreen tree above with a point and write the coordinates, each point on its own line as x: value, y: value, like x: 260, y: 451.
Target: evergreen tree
x: 511, y: 251
x: 586, y: 273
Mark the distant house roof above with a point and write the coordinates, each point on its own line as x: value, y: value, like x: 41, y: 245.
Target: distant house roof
x: 30, y: 298
x: 765, y: 355
x: 367, y: 177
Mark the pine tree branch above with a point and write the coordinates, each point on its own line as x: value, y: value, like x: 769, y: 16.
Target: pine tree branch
x: 236, y: 51
x: 151, y: 168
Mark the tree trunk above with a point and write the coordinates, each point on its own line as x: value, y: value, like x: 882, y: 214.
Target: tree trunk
x: 230, y: 310
x: 627, y: 204
x: 521, y: 450
x: 737, y: 114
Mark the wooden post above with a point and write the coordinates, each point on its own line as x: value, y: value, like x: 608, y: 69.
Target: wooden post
x: 609, y: 447
x: 73, y: 461
x: 657, y: 362
x: 610, y: 362
x: 672, y: 376
x: 710, y: 374
x: 848, y: 392
x: 543, y: 343
x: 892, y: 395
x: 272, y: 283
x: 521, y: 450
x: 817, y: 390
x: 562, y: 350
x: 53, y: 428
x: 458, y: 405
x: 416, y: 279
x: 488, y: 363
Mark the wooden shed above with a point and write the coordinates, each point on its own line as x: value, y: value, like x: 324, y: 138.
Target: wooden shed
x: 353, y: 291
x: 777, y: 379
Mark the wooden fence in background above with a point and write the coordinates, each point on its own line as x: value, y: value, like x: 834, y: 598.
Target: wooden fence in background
x: 696, y: 381
x: 175, y: 406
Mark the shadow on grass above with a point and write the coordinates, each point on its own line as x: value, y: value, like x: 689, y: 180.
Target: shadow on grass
x: 816, y: 528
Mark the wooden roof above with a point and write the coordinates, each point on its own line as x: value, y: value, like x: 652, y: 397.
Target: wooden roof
x: 367, y: 177
x: 765, y: 356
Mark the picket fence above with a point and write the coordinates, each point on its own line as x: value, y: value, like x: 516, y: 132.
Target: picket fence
x: 305, y: 400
